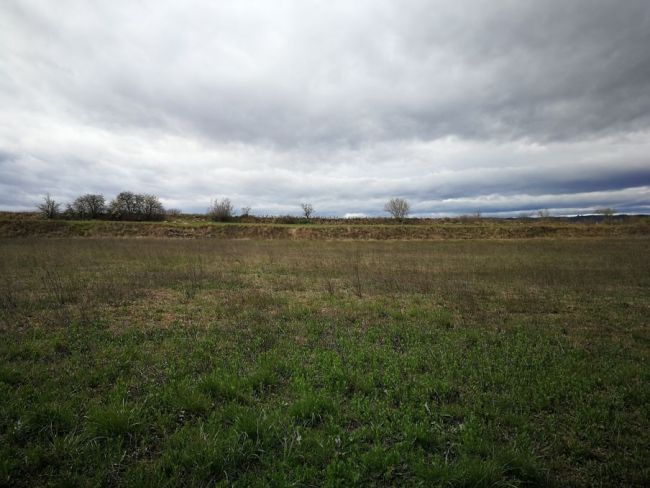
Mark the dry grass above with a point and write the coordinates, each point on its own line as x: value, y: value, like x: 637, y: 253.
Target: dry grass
x: 332, y: 229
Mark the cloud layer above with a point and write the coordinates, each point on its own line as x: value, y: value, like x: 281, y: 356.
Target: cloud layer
x: 456, y: 106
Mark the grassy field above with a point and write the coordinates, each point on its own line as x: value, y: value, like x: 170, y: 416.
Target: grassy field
x: 200, y: 362
x: 29, y: 225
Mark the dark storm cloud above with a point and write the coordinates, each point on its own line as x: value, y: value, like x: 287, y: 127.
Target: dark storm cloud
x: 545, y: 70
x: 342, y: 103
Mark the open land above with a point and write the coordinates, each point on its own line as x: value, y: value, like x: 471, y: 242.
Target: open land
x: 474, y: 361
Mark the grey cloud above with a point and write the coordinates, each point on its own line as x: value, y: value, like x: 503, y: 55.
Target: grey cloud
x: 547, y: 70
x: 632, y: 200
x: 343, y: 103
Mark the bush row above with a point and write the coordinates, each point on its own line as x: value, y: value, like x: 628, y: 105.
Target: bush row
x: 145, y: 207
x: 125, y: 206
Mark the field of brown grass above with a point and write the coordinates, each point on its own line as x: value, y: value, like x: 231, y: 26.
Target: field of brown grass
x: 16, y: 225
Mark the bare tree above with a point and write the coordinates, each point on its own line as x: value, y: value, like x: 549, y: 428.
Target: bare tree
x: 123, y: 206
x: 307, y: 209
x: 245, y: 211
x: 544, y: 213
x: 152, y: 209
x: 49, y: 208
x: 173, y: 212
x: 88, y: 206
x: 136, y: 206
x: 221, y: 210
x: 96, y: 205
x: 607, y: 213
x: 397, y: 207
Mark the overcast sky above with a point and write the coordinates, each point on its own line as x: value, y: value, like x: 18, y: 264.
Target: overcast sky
x: 457, y: 106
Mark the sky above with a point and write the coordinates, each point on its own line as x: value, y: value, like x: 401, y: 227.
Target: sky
x: 458, y: 106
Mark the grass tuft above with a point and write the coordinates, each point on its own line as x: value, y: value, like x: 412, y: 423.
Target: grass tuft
x: 225, y: 388
x: 187, y: 400
x: 115, y: 420
x: 312, y: 408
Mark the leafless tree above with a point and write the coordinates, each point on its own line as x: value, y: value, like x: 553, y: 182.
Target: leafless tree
x: 397, y: 207
x: 607, y: 213
x: 307, y: 209
x: 136, y: 206
x: 152, y: 209
x: 245, y: 211
x: 123, y: 206
x: 49, y: 208
x: 88, y: 206
x: 221, y: 210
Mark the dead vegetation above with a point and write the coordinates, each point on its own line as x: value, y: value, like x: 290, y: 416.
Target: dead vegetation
x: 333, y: 230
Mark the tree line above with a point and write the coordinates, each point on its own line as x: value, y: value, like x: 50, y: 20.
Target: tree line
x: 125, y: 206
x: 223, y: 210
x: 146, y: 207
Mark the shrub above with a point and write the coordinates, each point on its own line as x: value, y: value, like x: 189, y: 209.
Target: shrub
x: 135, y: 206
x: 173, y: 213
x: 221, y: 210
x: 88, y: 206
x: 152, y: 209
x: 607, y: 213
x: 49, y: 209
x: 289, y: 219
x: 123, y: 206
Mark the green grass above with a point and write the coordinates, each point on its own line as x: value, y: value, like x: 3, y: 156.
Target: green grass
x: 150, y: 362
